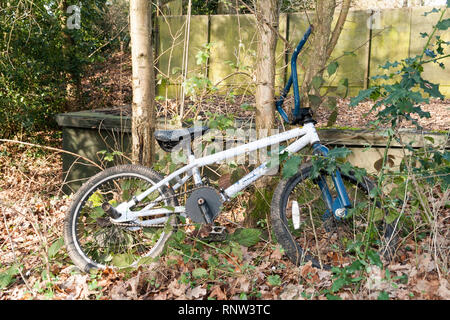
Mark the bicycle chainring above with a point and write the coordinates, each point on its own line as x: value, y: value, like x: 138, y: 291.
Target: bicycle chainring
x: 203, y: 205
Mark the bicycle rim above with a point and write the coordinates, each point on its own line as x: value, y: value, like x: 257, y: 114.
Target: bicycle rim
x: 319, y: 236
x: 102, y: 243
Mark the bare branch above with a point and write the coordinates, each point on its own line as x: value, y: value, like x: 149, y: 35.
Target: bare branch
x: 339, y: 26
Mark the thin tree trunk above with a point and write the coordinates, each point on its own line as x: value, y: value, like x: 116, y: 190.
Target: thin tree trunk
x: 339, y: 26
x: 319, y: 44
x: 73, y: 78
x: 143, y: 115
x: 267, y: 13
x: 323, y: 43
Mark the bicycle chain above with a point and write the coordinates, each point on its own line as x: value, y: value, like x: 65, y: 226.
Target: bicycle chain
x: 127, y: 224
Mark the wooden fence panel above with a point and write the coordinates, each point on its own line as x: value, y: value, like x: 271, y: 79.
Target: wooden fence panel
x: 395, y: 36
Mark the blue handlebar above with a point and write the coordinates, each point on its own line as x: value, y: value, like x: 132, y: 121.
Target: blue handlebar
x: 293, y: 80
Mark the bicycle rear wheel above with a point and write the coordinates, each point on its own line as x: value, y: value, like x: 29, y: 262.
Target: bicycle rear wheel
x: 320, y: 237
x: 93, y: 240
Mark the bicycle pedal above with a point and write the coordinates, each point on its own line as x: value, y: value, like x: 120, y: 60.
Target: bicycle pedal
x: 218, y: 230
x: 217, y: 234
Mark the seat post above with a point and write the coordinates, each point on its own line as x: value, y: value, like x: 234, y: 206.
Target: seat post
x: 190, y: 159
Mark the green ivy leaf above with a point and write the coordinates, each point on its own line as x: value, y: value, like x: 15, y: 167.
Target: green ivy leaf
x: 123, y: 260
x: 342, y: 88
x: 314, y: 100
x: 332, y: 118
x: 317, y: 82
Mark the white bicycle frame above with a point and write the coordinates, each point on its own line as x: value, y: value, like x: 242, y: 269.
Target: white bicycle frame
x: 307, y: 136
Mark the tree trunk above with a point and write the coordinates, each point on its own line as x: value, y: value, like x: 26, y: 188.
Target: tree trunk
x: 72, y: 78
x: 143, y: 115
x: 267, y: 13
x: 267, y: 16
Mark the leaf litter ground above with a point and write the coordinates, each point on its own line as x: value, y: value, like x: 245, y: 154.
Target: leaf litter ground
x: 35, y: 265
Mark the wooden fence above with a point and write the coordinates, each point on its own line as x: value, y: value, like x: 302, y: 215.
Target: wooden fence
x: 369, y: 39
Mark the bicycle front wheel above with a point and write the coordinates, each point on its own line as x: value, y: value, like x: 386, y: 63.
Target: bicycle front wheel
x: 308, y: 232
x: 93, y: 240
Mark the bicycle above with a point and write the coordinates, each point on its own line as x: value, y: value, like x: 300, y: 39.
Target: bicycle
x: 130, y: 211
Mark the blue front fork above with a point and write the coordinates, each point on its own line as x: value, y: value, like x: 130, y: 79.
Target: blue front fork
x: 340, y: 205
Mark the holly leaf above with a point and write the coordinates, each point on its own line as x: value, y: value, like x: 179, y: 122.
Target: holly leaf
x: 247, y: 237
x: 339, y: 153
x: 291, y: 165
x: 389, y: 65
x: 362, y: 95
x: 444, y: 24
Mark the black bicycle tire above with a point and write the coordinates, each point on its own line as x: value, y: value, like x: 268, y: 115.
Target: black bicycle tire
x: 292, y: 248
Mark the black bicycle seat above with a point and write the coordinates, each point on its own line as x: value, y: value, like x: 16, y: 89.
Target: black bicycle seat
x: 169, y: 139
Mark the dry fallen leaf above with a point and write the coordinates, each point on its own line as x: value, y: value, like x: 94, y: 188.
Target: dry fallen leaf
x: 277, y: 254
x: 426, y: 263
x: 292, y: 292
x: 77, y: 286
x: 443, y: 290
x: 309, y: 273
x: 195, y: 293
x: 177, y: 289
x: 218, y: 293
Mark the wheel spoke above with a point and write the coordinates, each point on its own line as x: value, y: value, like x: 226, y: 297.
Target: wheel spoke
x: 97, y: 239
x: 316, y: 234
